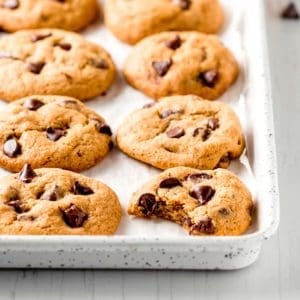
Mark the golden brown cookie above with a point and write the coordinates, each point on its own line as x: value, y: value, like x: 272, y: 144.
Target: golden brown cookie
x: 133, y: 20
x: 203, y: 202
x: 53, y: 62
x: 32, y: 14
x: 54, y: 201
x: 181, y: 63
x: 52, y: 131
x: 182, y: 131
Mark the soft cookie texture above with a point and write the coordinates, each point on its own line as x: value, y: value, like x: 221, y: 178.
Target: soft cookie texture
x: 181, y: 63
x: 182, y: 131
x: 55, y: 201
x: 203, y: 202
x: 31, y: 14
x: 133, y: 20
x: 53, y: 62
x: 52, y: 131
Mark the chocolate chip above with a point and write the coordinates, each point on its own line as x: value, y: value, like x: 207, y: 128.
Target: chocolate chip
x: 199, y: 177
x: 175, y: 132
x: 170, y: 183
x: 224, y: 211
x: 74, y: 216
x: 165, y: 114
x: 27, y: 174
x: 162, y: 67
x: 105, y: 129
x: 183, y: 4
x: 64, y: 46
x: 53, y: 194
x: 174, y: 43
x: 148, y: 105
x: 290, y: 12
x: 33, y: 104
x: 204, y: 226
x: 224, y: 161
x: 148, y: 203
x: 204, y: 132
x: 54, y: 134
x: 11, y: 148
x: 11, y: 4
x: 111, y: 145
x: 39, y: 37
x: 99, y: 63
x: 79, y: 189
x: 202, y: 193
x: 35, y: 68
x: 16, y: 204
x: 213, y: 123
x: 209, y: 78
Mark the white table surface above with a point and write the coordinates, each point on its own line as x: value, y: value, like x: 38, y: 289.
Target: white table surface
x: 277, y: 273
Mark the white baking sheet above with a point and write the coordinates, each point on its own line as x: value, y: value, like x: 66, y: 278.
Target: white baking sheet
x: 125, y: 175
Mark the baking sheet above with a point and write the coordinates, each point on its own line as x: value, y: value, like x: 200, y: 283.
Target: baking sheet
x: 125, y: 175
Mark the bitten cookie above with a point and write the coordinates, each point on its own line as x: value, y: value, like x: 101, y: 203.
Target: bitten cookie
x: 181, y: 63
x: 54, y: 201
x: 52, y: 131
x: 203, y: 202
x: 31, y: 14
x: 183, y: 131
x: 133, y: 20
x: 53, y: 62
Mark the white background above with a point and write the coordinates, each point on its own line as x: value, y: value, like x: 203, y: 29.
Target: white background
x: 277, y: 273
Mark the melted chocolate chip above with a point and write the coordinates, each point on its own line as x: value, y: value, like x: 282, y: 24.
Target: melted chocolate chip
x: 103, y: 128
x: 53, y: 194
x: 16, y: 204
x: 11, y: 148
x: 35, y: 68
x: 183, y: 4
x: 165, y: 114
x: 148, y: 203
x: 204, y: 226
x: 170, y: 183
x: 33, y: 104
x: 175, y: 133
x: 224, y: 211
x: 11, y: 4
x: 199, y: 177
x: 174, y: 43
x: 202, y: 193
x: 79, y: 189
x: 213, y: 123
x: 74, y: 216
x: 209, y: 78
x: 64, y: 46
x: 204, y: 132
x: 39, y: 37
x: 27, y: 174
x: 162, y: 67
x: 99, y: 63
x: 290, y: 12
x: 54, y: 134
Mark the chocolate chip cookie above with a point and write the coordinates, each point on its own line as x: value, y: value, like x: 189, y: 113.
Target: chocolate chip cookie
x: 203, y: 202
x: 181, y: 63
x: 52, y: 131
x: 32, y: 14
x: 55, y: 201
x: 53, y: 62
x: 182, y: 131
x: 133, y: 20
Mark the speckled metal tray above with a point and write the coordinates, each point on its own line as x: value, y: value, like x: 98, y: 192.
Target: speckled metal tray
x: 163, y: 247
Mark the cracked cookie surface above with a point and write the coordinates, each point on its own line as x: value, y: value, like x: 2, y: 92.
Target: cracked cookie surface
x: 182, y: 131
x: 202, y: 202
x: 181, y: 63
x: 53, y: 62
x: 54, y: 201
x: 52, y: 131
x: 31, y: 14
x: 133, y: 20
